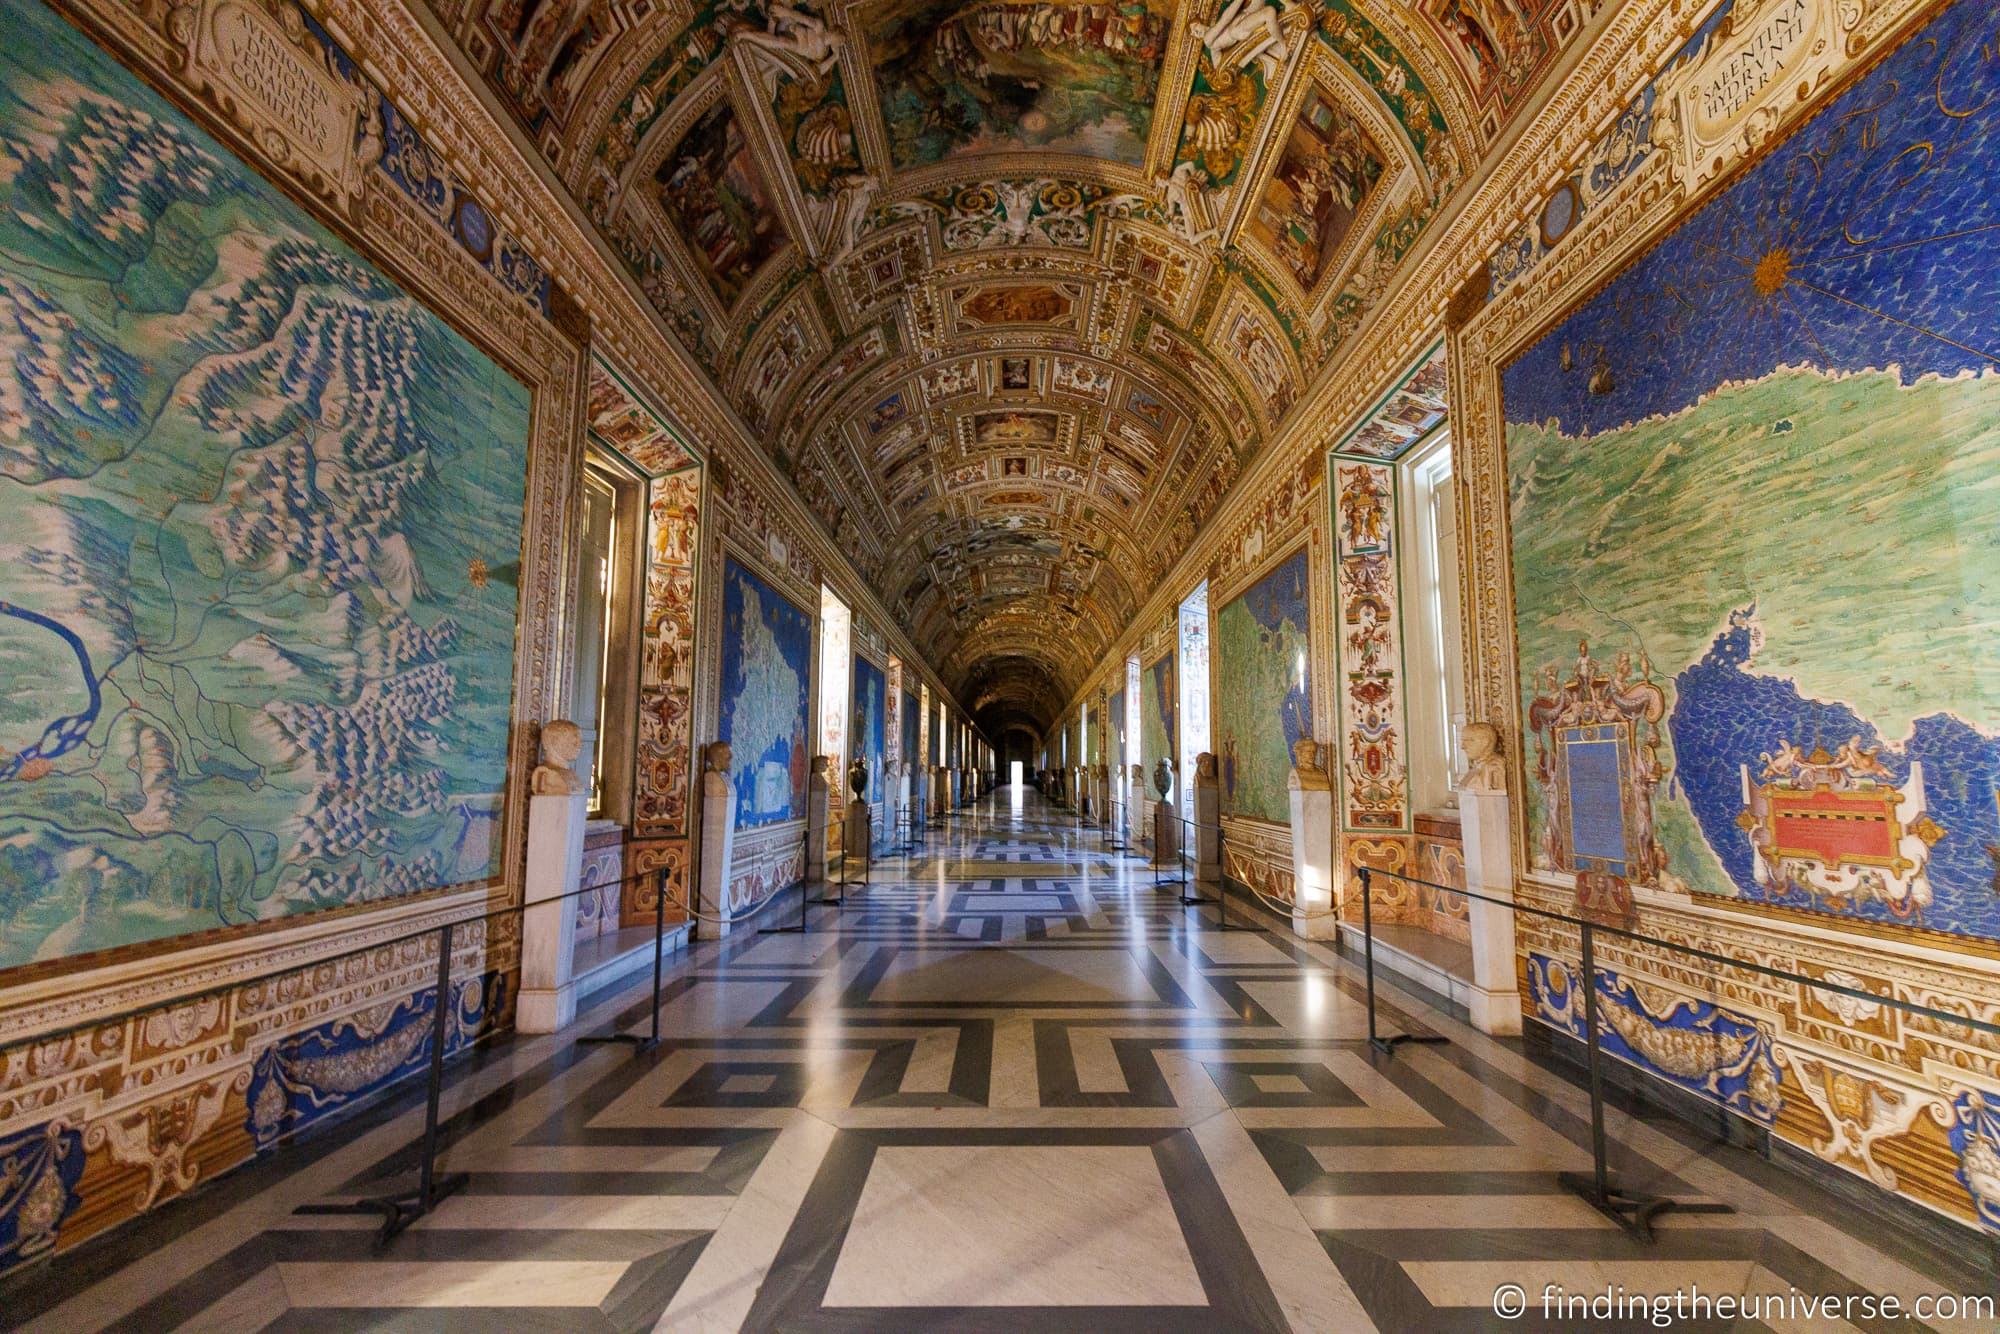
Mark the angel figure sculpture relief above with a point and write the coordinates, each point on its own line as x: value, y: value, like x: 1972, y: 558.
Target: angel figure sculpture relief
x: 793, y: 44
x: 850, y: 213
x: 1185, y: 193
x: 1244, y: 31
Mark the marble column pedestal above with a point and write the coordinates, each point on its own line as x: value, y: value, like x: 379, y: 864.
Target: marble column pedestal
x: 547, y: 1002
x: 1495, y: 1001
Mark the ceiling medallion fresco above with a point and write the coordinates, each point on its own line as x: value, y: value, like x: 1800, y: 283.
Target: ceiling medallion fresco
x: 1013, y: 289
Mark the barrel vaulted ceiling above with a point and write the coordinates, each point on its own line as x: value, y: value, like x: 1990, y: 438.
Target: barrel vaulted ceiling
x: 1013, y: 289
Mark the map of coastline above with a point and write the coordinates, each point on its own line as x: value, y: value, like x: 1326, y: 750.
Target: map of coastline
x: 263, y: 527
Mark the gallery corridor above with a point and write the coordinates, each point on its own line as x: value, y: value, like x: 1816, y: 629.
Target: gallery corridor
x: 1011, y: 1084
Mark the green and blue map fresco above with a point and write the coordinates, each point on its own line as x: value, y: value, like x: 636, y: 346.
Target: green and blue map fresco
x: 261, y: 539
x: 1764, y: 462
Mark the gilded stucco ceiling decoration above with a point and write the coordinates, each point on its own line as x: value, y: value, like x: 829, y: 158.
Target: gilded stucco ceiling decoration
x: 1012, y: 288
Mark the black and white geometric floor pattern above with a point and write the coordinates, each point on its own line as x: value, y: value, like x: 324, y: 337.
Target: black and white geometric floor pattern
x: 1009, y: 1085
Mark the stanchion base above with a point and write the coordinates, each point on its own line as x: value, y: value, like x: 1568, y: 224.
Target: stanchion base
x: 398, y: 1211
x: 798, y: 928
x: 1387, y: 1045
x: 636, y: 1041
x: 1633, y: 1210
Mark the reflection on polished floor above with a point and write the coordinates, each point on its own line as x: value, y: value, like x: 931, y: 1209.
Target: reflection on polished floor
x: 1009, y: 1085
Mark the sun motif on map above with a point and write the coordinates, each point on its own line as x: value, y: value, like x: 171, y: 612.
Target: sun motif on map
x: 1772, y: 270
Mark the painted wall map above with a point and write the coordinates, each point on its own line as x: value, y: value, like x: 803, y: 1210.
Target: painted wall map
x: 971, y: 77
x: 912, y: 746
x: 870, y: 734
x: 1159, y: 718
x: 1751, y: 485
x: 1262, y: 646
x: 766, y: 665
x: 261, y: 538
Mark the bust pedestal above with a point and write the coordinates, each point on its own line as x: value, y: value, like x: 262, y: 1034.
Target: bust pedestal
x: 817, y: 796
x: 1166, y: 833
x: 718, y: 846
x: 1312, y: 861
x: 1495, y: 1002
x: 856, y: 831
x: 1207, y: 830
x: 547, y: 1002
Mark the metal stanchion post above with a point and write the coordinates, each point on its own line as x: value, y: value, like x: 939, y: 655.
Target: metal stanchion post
x: 1631, y: 1209
x: 694, y: 895
x: 1368, y: 953
x: 800, y: 929
x: 400, y: 1211
x: 652, y: 1039
x: 840, y: 902
x: 1221, y: 881
x: 1594, y: 1064
x: 1195, y: 899
x: 1385, y: 1045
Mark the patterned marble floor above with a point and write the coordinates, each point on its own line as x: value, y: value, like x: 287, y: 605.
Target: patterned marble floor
x: 1008, y: 1086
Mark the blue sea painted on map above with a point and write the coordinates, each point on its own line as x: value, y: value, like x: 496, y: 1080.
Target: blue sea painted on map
x: 1780, y: 421
x: 766, y: 661
x: 1726, y: 714
x: 868, y: 732
x: 1852, y: 202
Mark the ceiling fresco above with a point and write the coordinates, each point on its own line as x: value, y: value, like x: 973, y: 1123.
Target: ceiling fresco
x: 1013, y: 289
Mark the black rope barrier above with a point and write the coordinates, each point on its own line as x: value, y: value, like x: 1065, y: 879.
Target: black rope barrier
x: 402, y: 1208
x: 1633, y: 1210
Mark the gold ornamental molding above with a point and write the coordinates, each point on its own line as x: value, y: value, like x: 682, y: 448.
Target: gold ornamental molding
x: 1735, y: 94
x: 403, y: 47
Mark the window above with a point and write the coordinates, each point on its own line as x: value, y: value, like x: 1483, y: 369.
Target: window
x: 602, y: 684
x: 836, y: 647
x: 1436, y: 687
x: 1130, y: 722
x: 1193, y: 672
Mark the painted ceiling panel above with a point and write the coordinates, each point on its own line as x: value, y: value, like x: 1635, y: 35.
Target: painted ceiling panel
x: 1013, y: 289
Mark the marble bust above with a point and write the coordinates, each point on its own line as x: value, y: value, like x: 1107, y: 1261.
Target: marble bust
x: 562, y: 742
x: 1204, y: 769
x: 1485, y: 768
x: 1307, y: 776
